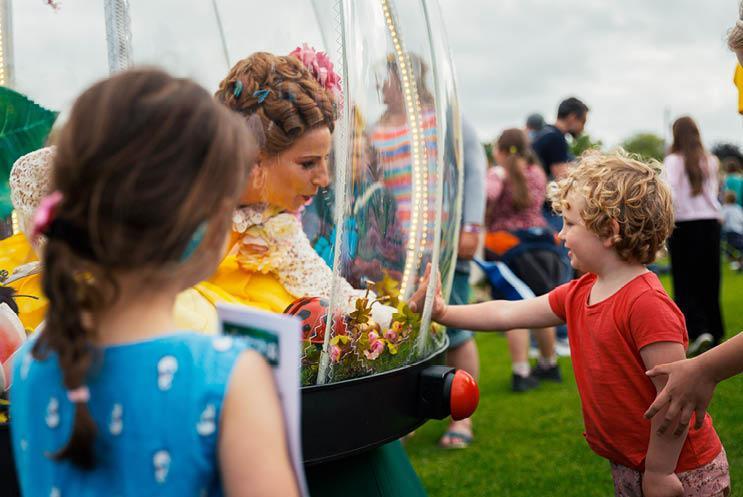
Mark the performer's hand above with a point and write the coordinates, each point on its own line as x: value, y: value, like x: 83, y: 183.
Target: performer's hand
x: 689, y: 389
x: 661, y: 485
x: 417, y: 299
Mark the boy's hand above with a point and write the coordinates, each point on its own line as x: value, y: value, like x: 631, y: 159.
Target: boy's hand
x: 689, y: 389
x: 419, y: 296
x: 661, y: 485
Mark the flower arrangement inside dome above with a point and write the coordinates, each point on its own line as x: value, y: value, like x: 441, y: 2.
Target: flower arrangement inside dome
x: 358, y: 346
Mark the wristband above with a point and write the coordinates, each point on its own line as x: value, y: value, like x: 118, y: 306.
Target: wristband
x: 471, y: 228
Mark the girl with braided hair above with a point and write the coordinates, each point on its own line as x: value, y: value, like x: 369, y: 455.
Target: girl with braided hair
x: 110, y: 398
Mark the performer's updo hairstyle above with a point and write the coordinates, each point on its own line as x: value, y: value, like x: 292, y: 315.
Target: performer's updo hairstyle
x: 282, y: 92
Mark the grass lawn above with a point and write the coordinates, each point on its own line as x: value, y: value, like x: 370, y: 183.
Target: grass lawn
x: 530, y: 444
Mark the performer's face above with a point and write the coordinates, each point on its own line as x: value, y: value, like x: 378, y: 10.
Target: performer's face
x: 292, y: 177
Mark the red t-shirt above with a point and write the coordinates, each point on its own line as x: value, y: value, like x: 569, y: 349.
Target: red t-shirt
x: 605, y: 343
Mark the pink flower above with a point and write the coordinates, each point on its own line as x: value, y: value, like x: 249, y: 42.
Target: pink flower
x: 44, y: 214
x: 391, y: 335
x: 375, y: 349
x: 335, y: 353
x: 319, y: 64
x: 373, y: 336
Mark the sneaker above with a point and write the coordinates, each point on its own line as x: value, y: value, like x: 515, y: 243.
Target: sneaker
x: 551, y: 373
x: 562, y: 347
x: 700, y: 345
x: 523, y: 383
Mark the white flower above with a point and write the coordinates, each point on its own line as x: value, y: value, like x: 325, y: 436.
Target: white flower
x: 207, y: 422
x: 222, y: 343
x: 116, y: 425
x: 52, y: 413
x: 161, y: 462
x: 166, y: 369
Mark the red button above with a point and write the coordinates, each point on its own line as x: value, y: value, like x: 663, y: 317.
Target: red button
x: 464, y: 395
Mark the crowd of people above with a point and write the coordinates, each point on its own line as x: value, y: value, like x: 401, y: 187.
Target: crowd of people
x: 150, y: 179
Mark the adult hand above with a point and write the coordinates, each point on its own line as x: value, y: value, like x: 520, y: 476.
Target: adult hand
x: 468, y: 243
x: 661, y: 485
x: 689, y: 389
x: 419, y: 296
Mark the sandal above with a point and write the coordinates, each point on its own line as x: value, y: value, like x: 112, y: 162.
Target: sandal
x: 456, y: 440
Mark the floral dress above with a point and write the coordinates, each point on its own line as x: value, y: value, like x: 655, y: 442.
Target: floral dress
x: 157, y: 423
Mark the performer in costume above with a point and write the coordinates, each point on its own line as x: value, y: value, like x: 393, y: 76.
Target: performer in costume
x: 271, y: 262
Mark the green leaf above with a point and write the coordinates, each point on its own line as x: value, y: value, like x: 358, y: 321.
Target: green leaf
x: 24, y: 127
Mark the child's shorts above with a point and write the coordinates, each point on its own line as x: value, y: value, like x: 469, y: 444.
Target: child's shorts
x: 711, y: 480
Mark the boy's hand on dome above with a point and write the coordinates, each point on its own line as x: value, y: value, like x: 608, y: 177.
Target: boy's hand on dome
x: 418, y: 298
x: 656, y: 484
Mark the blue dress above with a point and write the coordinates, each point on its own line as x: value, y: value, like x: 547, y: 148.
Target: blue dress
x: 156, y: 404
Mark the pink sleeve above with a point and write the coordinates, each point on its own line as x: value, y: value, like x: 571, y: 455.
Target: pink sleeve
x: 538, y: 183
x: 653, y: 317
x: 493, y: 184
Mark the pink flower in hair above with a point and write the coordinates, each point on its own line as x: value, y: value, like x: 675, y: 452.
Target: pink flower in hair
x: 45, y: 213
x: 319, y: 64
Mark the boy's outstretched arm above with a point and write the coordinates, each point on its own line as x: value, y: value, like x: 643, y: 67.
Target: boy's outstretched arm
x: 664, y: 448
x: 691, y: 383
x: 501, y: 315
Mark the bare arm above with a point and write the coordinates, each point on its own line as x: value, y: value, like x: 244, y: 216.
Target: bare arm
x: 501, y: 315
x: 691, y: 383
x: 659, y: 479
x: 253, y: 456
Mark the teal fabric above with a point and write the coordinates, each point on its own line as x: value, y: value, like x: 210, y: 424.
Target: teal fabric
x: 382, y: 472
x: 734, y: 183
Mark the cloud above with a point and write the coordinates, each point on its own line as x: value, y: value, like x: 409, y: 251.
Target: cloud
x: 629, y: 60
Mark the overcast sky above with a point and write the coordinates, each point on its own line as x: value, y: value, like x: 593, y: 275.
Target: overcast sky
x: 629, y: 60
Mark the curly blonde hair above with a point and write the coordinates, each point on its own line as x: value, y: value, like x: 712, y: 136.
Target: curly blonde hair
x: 735, y: 35
x: 294, y: 101
x: 619, y: 187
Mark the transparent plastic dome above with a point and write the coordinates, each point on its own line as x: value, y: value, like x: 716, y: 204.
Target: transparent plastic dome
x: 394, y: 202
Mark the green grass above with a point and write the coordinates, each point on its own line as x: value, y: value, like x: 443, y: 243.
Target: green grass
x: 531, y: 444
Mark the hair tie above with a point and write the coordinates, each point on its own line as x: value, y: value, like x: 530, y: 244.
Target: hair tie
x: 238, y: 89
x: 512, y: 149
x: 195, y: 241
x: 45, y: 213
x: 79, y: 395
x: 261, y: 94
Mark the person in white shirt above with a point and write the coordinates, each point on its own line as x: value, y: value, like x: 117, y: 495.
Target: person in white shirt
x: 694, y: 245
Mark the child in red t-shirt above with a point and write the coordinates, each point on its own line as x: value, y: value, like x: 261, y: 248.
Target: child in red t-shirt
x: 617, y: 214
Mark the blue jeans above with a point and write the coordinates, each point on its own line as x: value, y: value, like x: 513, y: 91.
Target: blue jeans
x: 555, y: 222
x: 460, y: 294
